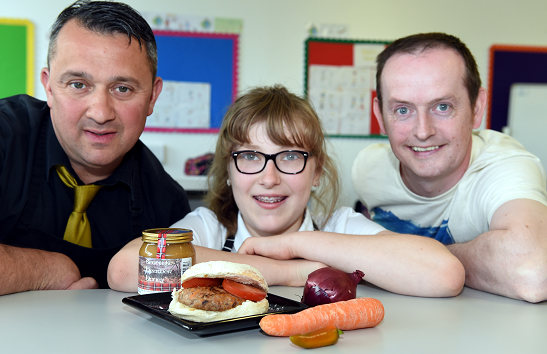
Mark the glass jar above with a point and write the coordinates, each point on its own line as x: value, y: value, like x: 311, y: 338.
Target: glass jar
x: 164, y: 256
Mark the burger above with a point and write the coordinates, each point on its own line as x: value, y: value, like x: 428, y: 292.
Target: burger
x: 218, y: 290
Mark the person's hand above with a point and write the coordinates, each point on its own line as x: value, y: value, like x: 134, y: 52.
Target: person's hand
x: 25, y: 269
x: 276, y: 247
x: 63, y: 274
x: 295, y: 272
x: 84, y: 283
x: 289, y: 269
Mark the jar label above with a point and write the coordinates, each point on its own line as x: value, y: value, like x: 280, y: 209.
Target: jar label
x: 160, y: 275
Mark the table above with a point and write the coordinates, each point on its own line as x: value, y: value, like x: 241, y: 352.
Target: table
x: 96, y: 321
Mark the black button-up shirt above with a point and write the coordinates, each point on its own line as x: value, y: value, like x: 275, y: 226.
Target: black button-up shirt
x: 139, y: 194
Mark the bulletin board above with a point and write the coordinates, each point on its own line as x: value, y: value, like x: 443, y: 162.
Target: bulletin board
x: 198, y: 69
x: 340, y: 81
x: 16, y: 57
x: 528, y: 117
x: 510, y: 65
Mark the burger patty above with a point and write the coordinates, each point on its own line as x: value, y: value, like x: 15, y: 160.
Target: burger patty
x: 209, y: 298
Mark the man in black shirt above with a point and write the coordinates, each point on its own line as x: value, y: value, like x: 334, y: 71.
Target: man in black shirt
x: 101, y: 85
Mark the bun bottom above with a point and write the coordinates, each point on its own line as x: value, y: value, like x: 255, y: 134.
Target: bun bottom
x: 247, y: 308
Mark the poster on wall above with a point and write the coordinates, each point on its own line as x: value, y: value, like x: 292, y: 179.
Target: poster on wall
x: 182, y: 105
x: 341, y: 85
x: 198, y: 61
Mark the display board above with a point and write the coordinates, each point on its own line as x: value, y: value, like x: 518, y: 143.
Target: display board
x: 340, y: 81
x: 528, y: 118
x: 200, y: 75
x: 16, y: 57
x: 510, y: 65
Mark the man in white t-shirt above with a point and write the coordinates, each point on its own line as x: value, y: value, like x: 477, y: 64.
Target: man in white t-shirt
x: 481, y: 194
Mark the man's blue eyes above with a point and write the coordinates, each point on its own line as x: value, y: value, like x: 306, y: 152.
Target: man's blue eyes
x: 443, y: 107
x: 79, y: 86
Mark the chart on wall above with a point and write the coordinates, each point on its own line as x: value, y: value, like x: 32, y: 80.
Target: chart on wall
x: 199, y: 68
x: 341, y: 84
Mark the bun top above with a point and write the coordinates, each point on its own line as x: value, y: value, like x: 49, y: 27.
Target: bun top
x: 241, y: 273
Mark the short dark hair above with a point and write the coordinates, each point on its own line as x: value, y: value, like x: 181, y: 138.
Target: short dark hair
x: 422, y: 42
x: 107, y: 17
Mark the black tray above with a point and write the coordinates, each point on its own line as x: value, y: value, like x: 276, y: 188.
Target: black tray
x: 158, y: 303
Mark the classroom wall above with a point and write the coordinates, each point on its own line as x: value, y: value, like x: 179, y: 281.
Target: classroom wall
x: 272, y: 43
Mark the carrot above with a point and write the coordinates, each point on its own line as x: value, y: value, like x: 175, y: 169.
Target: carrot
x: 345, y: 315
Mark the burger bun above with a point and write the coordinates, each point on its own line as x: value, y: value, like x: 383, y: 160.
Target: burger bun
x: 248, y: 308
x: 241, y: 273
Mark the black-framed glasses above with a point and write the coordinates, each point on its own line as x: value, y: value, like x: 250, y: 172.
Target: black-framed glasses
x: 289, y: 162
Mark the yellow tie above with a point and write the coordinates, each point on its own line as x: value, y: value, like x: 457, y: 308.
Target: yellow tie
x: 78, y: 230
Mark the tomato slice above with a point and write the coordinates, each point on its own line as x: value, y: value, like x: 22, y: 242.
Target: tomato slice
x: 201, y: 282
x: 244, y: 291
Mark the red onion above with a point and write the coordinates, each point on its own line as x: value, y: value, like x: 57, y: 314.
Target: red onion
x: 328, y: 285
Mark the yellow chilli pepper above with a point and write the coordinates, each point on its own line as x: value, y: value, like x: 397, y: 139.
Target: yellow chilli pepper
x: 319, y: 338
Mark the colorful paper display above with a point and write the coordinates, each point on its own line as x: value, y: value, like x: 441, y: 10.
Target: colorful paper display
x: 340, y: 83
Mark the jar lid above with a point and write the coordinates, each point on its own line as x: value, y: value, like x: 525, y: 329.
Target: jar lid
x: 172, y: 235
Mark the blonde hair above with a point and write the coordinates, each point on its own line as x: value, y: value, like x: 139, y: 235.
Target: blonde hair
x: 289, y: 120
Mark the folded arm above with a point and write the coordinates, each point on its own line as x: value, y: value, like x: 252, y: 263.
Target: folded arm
x: 404, y: 264
x: 24, y: 269
x: 124, y: 267
x: 510, y: 259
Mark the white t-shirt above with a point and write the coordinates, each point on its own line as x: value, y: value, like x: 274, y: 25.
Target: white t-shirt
x: 208, y: 232
x: 500, y: 170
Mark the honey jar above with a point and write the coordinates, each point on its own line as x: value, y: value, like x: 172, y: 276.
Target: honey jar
x: 164, y: 256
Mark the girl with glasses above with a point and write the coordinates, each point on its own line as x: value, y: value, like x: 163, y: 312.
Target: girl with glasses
x: 272, y: 204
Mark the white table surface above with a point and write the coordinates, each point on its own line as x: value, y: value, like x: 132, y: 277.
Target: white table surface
x: 96, y: 321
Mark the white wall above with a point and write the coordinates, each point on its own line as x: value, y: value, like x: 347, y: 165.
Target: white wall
x: 272, y: 42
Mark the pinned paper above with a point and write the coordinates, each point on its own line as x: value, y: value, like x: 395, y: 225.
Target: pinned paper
x: 182, y: 105
x: 341, y: 95
x: 326, y: 30
x: 341, y: 84
x: 177, y: 22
